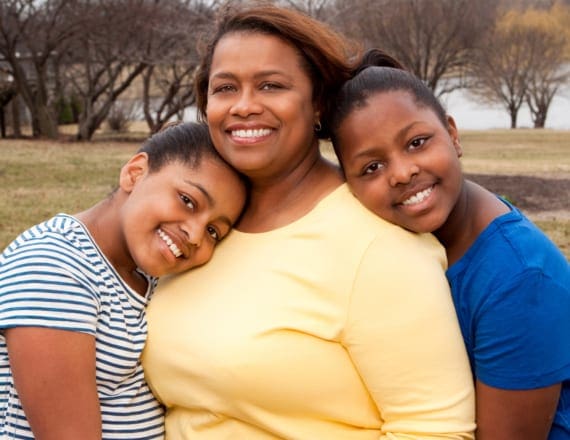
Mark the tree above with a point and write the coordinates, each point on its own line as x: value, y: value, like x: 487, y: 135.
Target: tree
x: 550, y: 69
x: 433, y: 38
x: 168, y: 82
x: 107, y: 56
x: 319, y: 9
x: 517, y: 64
x: 31, y: 32
x: 7, y: 93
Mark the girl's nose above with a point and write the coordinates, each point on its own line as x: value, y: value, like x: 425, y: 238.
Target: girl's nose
x: 403, y: 172
x: 194, y: 233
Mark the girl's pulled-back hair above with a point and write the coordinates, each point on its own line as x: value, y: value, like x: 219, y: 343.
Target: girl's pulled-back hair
x: 327, y: 56
x: 379, y: 73
x: 184, y: 142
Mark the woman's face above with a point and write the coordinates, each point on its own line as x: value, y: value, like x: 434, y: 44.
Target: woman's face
x: 260, y: 108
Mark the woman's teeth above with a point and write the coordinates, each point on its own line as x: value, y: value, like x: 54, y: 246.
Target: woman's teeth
x: 417, y: 198
x: 173, y: 248
x: 259, y: 132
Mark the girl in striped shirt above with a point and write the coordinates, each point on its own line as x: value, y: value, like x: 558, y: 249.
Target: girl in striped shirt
x: 73, y: 292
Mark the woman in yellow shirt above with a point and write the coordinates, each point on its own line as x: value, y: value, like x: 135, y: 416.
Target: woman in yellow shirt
x: 316, y: 320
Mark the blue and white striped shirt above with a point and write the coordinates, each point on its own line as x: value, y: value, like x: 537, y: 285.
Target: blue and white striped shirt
x: 54, y: 275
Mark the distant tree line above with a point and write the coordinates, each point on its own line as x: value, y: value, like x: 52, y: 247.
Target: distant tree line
x: 73, y: 61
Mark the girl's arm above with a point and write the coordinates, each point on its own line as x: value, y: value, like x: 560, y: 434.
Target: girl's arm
x: 521, y: 354
x: 54, y: 374
x: 515, y: 414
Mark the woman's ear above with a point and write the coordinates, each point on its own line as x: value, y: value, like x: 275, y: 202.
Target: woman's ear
x: 454, y: 135
x: 135, y: 169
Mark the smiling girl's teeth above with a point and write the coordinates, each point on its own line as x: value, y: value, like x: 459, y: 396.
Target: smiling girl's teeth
x: 259, y: 132
x: 417, y: 198
x: 173, y: 248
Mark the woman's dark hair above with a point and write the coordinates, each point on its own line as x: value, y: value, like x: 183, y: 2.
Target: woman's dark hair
x: 379, y: 73
x: 327, y: 56
x: 185, y: 142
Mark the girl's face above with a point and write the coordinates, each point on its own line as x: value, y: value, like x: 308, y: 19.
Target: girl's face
x: 260, y: 108
x: 174, y: 217
x: 401, y: 162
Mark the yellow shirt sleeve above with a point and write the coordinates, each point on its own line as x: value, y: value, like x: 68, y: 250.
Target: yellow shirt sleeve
x: 403, y: 337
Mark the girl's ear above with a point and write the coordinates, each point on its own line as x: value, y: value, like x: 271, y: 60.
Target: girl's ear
x: 454, y: 135
x: 132, y: 171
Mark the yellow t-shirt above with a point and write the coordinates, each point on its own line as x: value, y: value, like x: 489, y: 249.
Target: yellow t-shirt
x: 336, y: 326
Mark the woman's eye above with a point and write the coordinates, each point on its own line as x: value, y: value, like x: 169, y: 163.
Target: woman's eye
x: 188, y: 201
x: 371, y: 168
x: 214, y: 233
x: 224, y: 88
x: 270, y: 86
x: 417, y: 143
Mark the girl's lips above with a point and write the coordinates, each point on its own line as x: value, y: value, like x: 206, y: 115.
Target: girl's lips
x: 171, y: 245
x: 418, y: 197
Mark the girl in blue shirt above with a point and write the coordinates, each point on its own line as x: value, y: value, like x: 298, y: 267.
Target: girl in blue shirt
x: 511, y: 286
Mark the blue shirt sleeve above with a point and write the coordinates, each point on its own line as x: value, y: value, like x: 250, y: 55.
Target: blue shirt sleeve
x: 522, y: 336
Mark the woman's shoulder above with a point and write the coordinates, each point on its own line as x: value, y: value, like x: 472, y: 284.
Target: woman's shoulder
x: 348, y: 219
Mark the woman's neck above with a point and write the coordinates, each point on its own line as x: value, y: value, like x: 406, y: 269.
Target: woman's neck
x: 278, y: 202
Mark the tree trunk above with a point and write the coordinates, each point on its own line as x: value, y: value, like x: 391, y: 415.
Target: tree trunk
x: 16, y: 125
x: 146, y: 77
x: 92, y: 120
x: 35, y: 98
x: 539, y: 117
x: 46, y: 124
x: 513, y: 114
x: 2, y: 123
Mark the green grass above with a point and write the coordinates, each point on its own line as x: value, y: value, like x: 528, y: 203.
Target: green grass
x: 42, y: 178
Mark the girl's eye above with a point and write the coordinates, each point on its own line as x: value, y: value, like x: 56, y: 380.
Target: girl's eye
x: 188, y: 201
x: 417, y: 143
x: 371, y: 168
x: 212, y: 232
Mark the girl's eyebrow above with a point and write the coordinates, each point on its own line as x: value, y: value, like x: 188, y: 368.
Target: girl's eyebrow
x: 372, y: 151
x: 401, y: 134
x: 211, y: 201
x: 209, y: 198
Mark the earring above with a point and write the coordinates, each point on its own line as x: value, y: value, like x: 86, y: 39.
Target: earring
x: 318, y: 126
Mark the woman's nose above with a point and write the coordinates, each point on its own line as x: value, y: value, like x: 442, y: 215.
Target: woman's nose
x: 247, y: 103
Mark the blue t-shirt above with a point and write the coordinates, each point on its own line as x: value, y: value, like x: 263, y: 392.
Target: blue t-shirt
x: 511, y: 291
